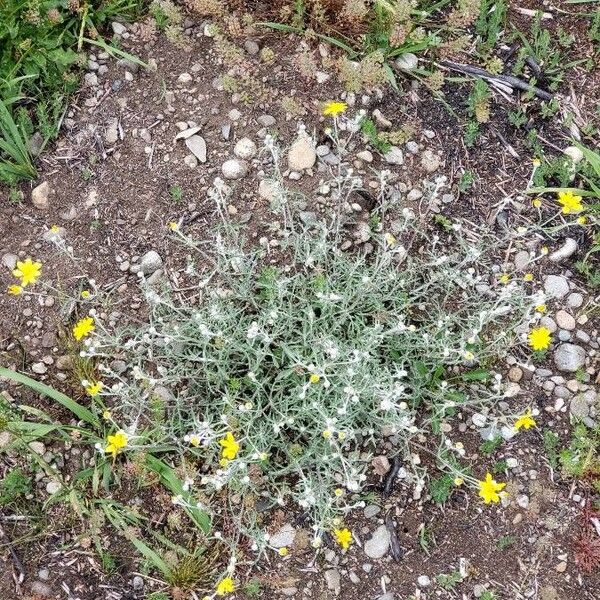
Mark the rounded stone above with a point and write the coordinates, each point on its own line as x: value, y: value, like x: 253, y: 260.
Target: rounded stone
x: 569, y: 357
x: 234, y: 169
x: 556, y: 286
x: 378, y: 545
x: 245, y: 148
x: 565, y: 320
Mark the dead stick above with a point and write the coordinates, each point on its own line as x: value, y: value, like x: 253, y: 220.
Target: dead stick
x: 513, y: 82
x: 17, y: 563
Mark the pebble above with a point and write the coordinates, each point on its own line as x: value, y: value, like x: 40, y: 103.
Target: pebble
x: 10, y: 261
x: 251, y: 47
x: 185, y: 78
x: 366, y: 156
x: 40, y: 195
x: 39, y: 368
x: 118, y: 28
x: 574, y: 153
x: 569, y: 357
x: 521, y: 260
x: 44, y: 574
x: 266, y: 120
x: 197, y: 146
x: 150, y: 262
x: 515, y: 374
x: 565, y: 320
x: 191, y: 161
x: 245, y: 148
x: 423, y: 581
x: 378, y: 545
x: 579, y: 407
x: 548, y: 323
x: 407, y: 61
x: 387, y: 596
x: 575, y: 300
x: 90, y: 79
x: 430, y: 161
x: 556, y: 286
x: 302, y: 154
x: 371, y: 510
x: 138, y: 583
x: 40, y: 588
x: 394, y: 156
x: 53, y: 486
x: 412, y: 147
x: 332, y: 579
x: 234, y: 169
x: 284, y: 537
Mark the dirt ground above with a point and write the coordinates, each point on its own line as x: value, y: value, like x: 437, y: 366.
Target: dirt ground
x: 113, y: 197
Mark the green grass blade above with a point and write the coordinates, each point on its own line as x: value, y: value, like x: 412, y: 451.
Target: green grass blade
x: 170, y: 480
x: 79, y: 411
x: 116, y: 52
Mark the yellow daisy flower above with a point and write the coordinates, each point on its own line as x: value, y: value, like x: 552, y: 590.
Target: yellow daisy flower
x: 489, y: 488
x: 333, y: 108
x: 116, y: 442
x: 93, y: 389
x: 343, y: 537
x: 225, y: 586
x: 525, y: 421
x: 28, y: 270
x: 570, y: 202
x: 83, y: 328
x: 15, y: 290
x: 540, y: 338
x: 230, y: 446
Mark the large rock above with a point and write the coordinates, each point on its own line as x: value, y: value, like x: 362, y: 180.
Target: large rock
x: 569, y: 357
x: 302, y: 154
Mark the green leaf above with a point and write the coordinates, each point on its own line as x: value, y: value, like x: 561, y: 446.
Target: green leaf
x: 476, y: 375
x: 79, y: 411
x: 116, y: 52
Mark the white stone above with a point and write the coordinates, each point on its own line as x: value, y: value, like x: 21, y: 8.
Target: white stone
x: 197, y: 146
x: 40, y: 195
x: 302, y: 154
x: 245, y: 148
x: 234, y: 169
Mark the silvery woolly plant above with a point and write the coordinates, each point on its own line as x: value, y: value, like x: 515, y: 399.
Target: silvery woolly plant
x: 281, y: 380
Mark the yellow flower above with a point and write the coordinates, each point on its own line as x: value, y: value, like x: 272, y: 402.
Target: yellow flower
x: 504, y: 278
x: 194, y: 440
x: 544, y: 250
x: 28, y: 271
x: 106, y: 415
x: 570, y: 202
x: 333, y: 108
x: 15, y: 290
x: 458, y: 481
x: 173, y: 226
x: 314, y: 378
x: 390, y: 240
x: 94, y: 388
x: 54, y: 228
x: 225, y: 586
x: 537, y: 202
x: 283, y: 551
x: 541, y: 308
x: 540, y: 338
x: 116, y: 442
x: 85, y: 294
x: 528, y: 277
x: 339, y: 492
x: 263, y: 456
x: 525, y: 421
x: 327, y: 434
x: 536, y: 162
x: 489, y: 488
x: 341, y: 435
x: 343, y: 537
x: 468, y: 355
x: 83, y: 328
x: 230, y: 446
x: 223, y: 462
x: 581, y: 220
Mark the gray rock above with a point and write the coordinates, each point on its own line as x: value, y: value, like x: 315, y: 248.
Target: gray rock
x: 371, y: 510
x: 407, y: 62
x: 394, y: 156
x: 40, y: 588
x: 556, y: 286
x: 118, y: 28
x: 138, y: 583
x: 191, y: 161
x: 53, y: 486
x: 522, y: 260
x: 284, y: 537
x: 332, y: 579
x: 266, y: 120
x: 44, y: 574
x: 423, y: 581
x: 10, y: 261
x: 245, y: 148
x: 387, y: 596
x: 40, y: 195
x: 569, y: 357
x: 35, y: 144
x: 197, y: 146
x: 575, y: 300
x: 39, y: 368
x: 564, y: 335
x: 251, y: 47
x: 365, y: 156
x: 548, y: 323
x: 226, y: 131
x: 188, y: 132
x: 579, y: 407
x: 234, y: 169
x: 90, y: 79
x: 379, y: 543
x: 111, y: 135
x: 267, y: 189
x: 185, y: 78
x: 150, y: 262
x: 302, y: 154
x: 412, y: 147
